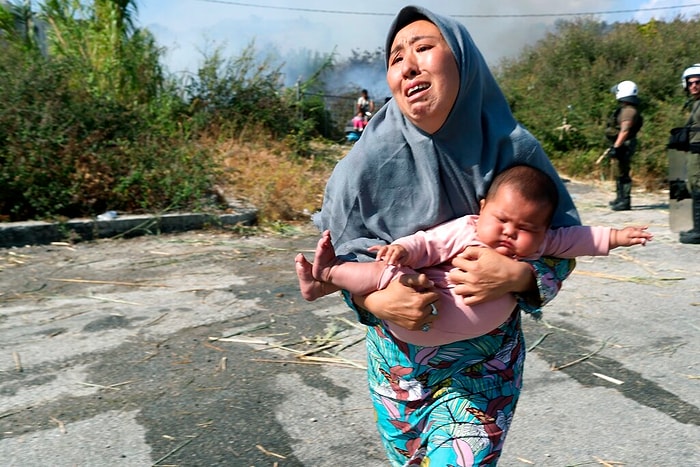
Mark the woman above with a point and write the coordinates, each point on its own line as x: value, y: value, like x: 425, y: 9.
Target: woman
x: 426, y: 157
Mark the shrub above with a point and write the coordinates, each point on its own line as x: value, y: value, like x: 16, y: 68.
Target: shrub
x: 569, y: 74
x: 67, y: 152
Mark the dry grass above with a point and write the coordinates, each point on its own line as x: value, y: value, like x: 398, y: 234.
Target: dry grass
x: 262, y: 172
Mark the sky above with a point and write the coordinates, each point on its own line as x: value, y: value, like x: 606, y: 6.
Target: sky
x: 187, y: 29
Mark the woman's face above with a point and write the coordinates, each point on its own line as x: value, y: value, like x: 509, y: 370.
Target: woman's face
x: 422, y: 75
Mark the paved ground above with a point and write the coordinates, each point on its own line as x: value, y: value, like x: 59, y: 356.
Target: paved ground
x: 196, y: 349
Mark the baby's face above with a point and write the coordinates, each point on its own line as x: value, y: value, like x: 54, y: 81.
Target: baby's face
x: 511, y: 225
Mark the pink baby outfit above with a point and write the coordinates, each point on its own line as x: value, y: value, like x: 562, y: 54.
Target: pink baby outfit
x: 430, y: 252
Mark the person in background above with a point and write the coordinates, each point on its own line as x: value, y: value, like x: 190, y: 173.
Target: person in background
x: 365, y: 105
x: 514, y: 220
x: 691, y: 83
x: 359, y: 122
x: 622, y: 131
x: 428, y: 156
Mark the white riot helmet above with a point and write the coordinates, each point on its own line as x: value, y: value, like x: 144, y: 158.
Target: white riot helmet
x: 688, y: 72
x: 625, y: 91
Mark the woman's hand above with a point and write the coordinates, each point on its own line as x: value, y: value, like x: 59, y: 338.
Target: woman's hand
x: 482, y: 275
x: 404, y: 302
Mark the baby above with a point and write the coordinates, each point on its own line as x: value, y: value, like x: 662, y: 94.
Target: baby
x: 515, y: 221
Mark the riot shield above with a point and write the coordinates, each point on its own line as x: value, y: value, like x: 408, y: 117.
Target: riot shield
x: 679, y: 205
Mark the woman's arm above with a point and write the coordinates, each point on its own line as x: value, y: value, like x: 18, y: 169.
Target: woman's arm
x: 483, y: 275
x: 404, y: 302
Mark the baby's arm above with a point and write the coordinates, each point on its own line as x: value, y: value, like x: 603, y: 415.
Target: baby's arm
x: 393, y: 254
x: 586, y: 240
x: 629, y: 236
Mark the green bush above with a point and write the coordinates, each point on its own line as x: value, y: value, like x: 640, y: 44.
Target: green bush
x: 67, y: 152
x: 89, y: 123
x: 569, y: 73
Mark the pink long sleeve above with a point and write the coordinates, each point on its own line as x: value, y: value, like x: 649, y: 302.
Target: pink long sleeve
x: 440, y: 243
x: 580, y: 240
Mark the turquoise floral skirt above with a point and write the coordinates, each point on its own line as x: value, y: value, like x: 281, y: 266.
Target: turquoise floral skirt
x: 450, y: 405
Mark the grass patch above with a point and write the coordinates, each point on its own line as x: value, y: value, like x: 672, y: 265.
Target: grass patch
x: 263, y: 173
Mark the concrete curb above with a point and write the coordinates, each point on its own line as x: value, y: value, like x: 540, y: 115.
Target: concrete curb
x: 40, y: 233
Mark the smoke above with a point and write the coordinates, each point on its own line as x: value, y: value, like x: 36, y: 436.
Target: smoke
x: 299, y: 38
x: 370, y: 76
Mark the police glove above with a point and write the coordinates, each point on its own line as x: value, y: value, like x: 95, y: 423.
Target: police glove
x: 613, y: 152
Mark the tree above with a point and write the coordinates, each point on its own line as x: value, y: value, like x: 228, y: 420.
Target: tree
x: 108, y: 52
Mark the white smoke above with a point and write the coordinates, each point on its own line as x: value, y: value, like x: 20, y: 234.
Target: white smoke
x: 183, y: 26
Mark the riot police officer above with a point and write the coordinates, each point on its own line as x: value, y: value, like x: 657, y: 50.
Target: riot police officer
x: 622, y: 131
x: 691, y: 83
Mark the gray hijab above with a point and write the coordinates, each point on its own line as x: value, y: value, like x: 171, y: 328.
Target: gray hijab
x: 398, y: 179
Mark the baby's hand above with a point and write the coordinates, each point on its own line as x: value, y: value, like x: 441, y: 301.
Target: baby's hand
x: 392, y: 254
x: 635, y: 235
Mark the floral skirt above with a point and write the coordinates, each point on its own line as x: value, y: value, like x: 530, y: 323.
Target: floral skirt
x: 450, y: 405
